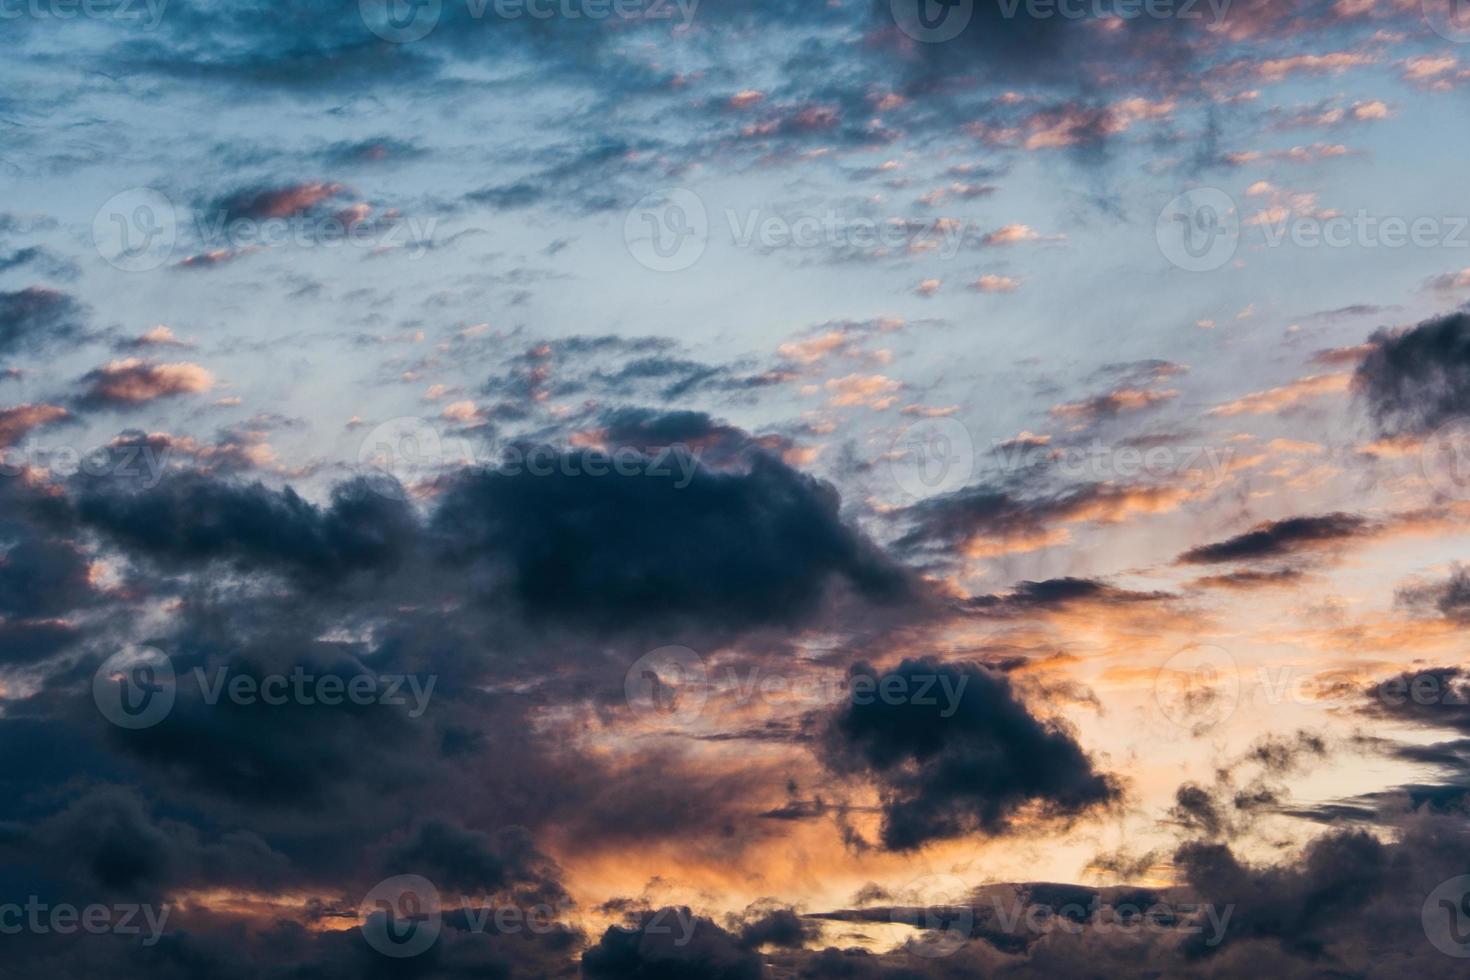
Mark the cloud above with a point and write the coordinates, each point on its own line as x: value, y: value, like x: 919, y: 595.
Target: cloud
x: 133, y: 381
x: 36, y: 319
x: 984, y: 521
x: 17, y: 422
x: 1282, y: 539
x: 961, y: 756
x: 1417, y: 379
x: 1287, y: 396
x: 669, y: 542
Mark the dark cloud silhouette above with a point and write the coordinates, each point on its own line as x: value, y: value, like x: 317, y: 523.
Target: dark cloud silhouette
x: 1281, y: 539
x: 759, y: 547
x: 36, y: 319
x: 1417, y: 379
x: 954, y: 751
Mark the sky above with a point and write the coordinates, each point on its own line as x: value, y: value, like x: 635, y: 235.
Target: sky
x: 734, y: 488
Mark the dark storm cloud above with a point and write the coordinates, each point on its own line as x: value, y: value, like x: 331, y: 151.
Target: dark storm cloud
x: 1435, y: 697
x: 1059, y: 593
x: 36, y: 319
x: 673, y: 943
x: 967, y: 764
x: 472, y: 862
x: 718, y: 444
x: 42, y: 577
x: 760, y: 547
x: 1415, y: 380
x: 1281, y: 539
x: 190, y: 520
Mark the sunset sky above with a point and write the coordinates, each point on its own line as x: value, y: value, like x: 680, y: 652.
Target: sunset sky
x: 758, y: 488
